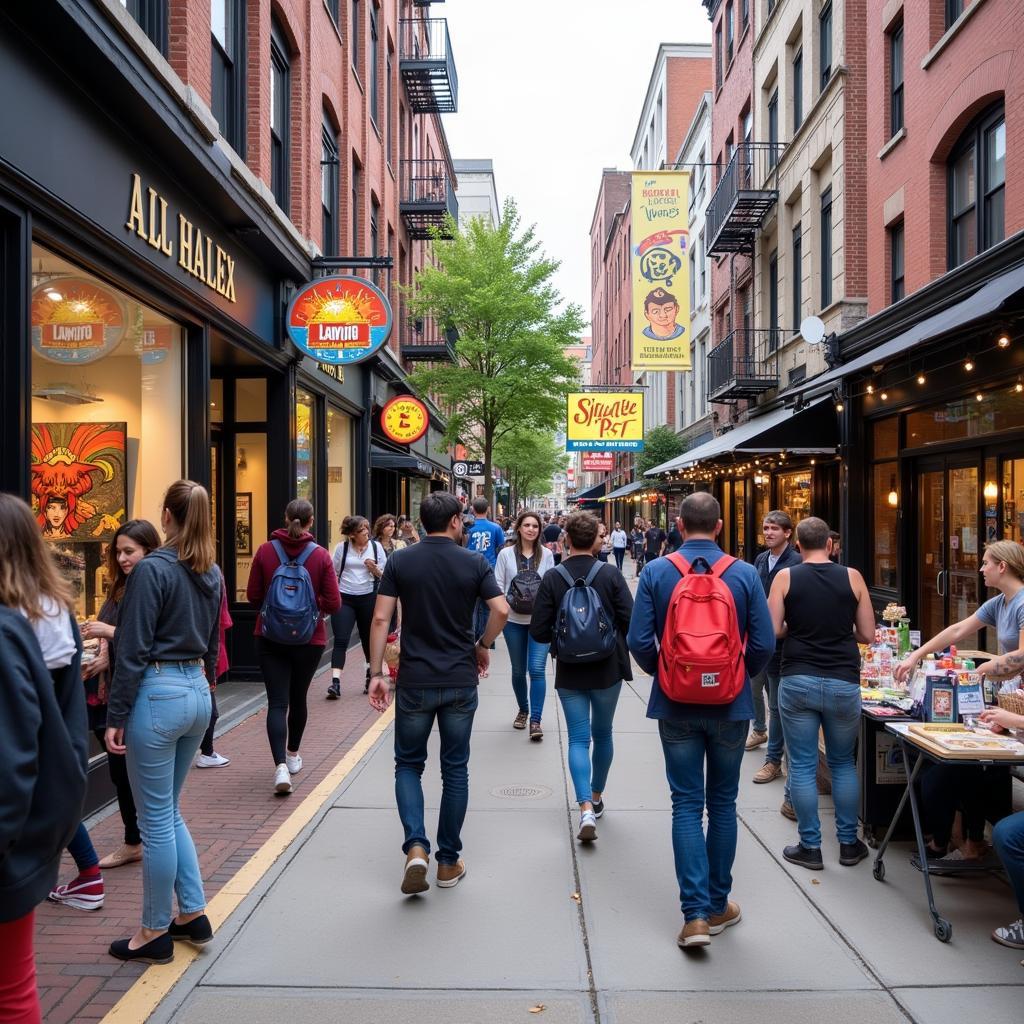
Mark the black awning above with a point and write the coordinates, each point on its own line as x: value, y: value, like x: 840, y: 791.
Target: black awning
x: 812, y: 430
x: 592, y: 494
x: 621, y: 492
x: 400, y: 462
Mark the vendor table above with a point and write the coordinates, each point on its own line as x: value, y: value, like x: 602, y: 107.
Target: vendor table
x: 924, y: 751
x: 882, y: 776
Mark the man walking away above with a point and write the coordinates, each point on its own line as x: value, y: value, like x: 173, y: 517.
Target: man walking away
x: 655, y: 540
x: 823, y: 611
x: 486, y: 538
x: 695, y: 733
x: 779, y: 554
x: 439, y: 583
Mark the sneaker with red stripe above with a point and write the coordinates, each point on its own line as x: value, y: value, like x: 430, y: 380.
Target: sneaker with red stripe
x: 82, y: 893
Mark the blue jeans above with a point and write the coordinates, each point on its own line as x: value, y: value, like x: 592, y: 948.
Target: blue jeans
x: 769, y: 681
x: 481, y: 615
x: 415, y: 711
x: 82, y: 850
x: 527, y: 655
x: 620, y: 554
x: 703, y: 864
x: 588, y: 717
x: 807, y: 704
x: 166, y: 726
x: 1008, y: 839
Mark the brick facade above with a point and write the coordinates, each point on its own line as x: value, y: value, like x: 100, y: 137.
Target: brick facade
x: 950, y: 77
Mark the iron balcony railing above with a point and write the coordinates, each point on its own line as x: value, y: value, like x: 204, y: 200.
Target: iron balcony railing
x: 426, y: 196
x: 424, y: 339
x: 747, y: 190
x: 744, y: 365
x: 427, y: 66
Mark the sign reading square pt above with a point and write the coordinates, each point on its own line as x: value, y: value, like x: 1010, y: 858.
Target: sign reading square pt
x: 605, y: 421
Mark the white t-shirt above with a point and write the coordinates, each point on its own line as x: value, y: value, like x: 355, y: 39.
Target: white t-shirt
x: 620, y: 539
x: 356, y: 579
x: 506, y: 569
x: 53, y: 631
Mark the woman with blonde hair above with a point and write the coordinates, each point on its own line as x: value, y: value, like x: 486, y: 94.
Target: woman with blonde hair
x: 42, y: 720
x: 158, y: 709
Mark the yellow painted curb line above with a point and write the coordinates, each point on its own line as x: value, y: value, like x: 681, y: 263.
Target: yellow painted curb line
x: 136, y: 1005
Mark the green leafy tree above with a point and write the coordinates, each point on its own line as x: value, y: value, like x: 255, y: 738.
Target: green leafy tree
x: 493, y: 285
x: 661, y: 443
x: 528, y: 460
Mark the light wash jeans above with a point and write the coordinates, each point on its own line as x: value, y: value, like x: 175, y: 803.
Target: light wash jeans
x: 166, y: 726
x: 527, y: 656
x: 588, y: 717
x: 807, y: 704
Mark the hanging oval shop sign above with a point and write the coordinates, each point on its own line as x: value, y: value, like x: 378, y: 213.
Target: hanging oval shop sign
x: 75, y: 321
x: 404, y: 419
x: 339, y: 320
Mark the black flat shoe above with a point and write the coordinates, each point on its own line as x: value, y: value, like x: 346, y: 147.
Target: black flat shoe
x: 852, y: 853
x: 198, y: 932
x: 798, y: 854
x: 157, y: 951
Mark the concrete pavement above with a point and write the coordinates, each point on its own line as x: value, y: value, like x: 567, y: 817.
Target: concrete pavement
x: 327, y: 936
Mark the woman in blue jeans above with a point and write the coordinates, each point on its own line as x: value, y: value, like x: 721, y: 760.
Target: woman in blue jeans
x: 589, y: 692
x: 158, y: 710
x: 821, y: 610
x: 517, y: 572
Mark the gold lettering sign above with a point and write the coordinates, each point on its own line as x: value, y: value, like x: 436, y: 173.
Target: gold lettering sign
x: 201, y: 257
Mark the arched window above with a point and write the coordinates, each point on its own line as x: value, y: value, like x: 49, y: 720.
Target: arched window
x: 976, y: 186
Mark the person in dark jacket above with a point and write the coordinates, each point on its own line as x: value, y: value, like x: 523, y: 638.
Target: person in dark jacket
x: 288, y: 669
x: 588, y: 692
x: 168, y: 637
x: 42, y: 720
x: 779, y: 554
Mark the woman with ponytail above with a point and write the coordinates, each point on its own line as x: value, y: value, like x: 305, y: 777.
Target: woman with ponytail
x: 288, y: 668
x: 158, y: 709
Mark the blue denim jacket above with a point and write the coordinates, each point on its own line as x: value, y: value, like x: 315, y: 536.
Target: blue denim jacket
x: 653, y: 593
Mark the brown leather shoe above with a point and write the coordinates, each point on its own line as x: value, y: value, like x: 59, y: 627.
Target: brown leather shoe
x: 787, y: 810
x: 521, y: 719
x: 695, y: 933
x: 768, y: 772
x: 730, y: 916
x: 124, y: 855
x: 415, y: 878
x: 756, y: 739
x: 536, y: 732
x: 449, y: 875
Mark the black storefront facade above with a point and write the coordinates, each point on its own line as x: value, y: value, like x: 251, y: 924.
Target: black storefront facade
x: 143, y: 288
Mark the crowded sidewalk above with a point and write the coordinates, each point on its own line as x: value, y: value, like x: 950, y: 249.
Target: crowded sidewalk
x: 544, y: 928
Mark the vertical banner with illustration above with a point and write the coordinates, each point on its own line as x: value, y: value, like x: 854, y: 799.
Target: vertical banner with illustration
x: 660, y: 271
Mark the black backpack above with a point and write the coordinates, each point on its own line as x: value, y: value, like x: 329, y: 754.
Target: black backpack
x: 583, y: 630
x: 522, y: 590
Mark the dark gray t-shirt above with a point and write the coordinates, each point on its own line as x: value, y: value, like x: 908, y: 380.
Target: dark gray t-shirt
x: 438, y: 583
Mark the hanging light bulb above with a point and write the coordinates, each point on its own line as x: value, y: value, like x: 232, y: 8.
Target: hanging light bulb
x: 1019, y: 386
x: 884, y: 396
x: 871, y: 389
x: 894, y: 497
x: 969, y: 364
x: 840, y: 406
x: 980, y: 397
x: 1003, y: 341
x: 991, y: 490
x: 920, y: 378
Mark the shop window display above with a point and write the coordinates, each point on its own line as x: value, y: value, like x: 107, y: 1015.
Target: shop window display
x: 107, y: 418
x: 251, y: 525
x: 967, y: 417
x: 339, y: 473
x: 884, y: 562
x: 795, y: 494
x: 304, y: 462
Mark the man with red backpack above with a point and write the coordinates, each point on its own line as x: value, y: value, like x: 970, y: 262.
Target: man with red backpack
x: 701, y: 627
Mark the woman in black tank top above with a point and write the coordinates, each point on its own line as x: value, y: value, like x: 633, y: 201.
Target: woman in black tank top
x: 822, y: 610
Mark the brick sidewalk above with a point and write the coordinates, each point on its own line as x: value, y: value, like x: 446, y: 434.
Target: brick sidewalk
x: 230, y: 811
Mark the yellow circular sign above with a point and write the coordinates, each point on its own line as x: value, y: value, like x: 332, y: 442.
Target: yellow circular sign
x: 404, y: 419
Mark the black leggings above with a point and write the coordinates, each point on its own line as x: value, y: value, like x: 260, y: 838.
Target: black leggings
x: 117, y: 765
x: 206, y: 746
x: 287, y: 672
x: 620, y: 554
x: 980, y: 794
x: 356, y: 610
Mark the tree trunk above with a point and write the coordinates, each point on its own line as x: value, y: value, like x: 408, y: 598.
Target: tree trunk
x: 488, y: 455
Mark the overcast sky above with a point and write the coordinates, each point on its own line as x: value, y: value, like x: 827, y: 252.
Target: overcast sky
x: 552, y: 91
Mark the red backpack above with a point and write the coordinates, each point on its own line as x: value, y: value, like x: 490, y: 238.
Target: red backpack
x: 702, y: 658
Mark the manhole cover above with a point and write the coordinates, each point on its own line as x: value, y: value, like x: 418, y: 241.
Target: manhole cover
x: 521, y: 792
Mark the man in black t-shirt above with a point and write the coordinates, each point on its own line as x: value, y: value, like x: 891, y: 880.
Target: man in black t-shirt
x: 438, y: 583
x: 552, y: 539
x: 655, y: 539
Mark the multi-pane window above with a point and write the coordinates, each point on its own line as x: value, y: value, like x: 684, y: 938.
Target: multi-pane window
x: 329, y: 189
x: 151, y: 17
x: 896, y: 80
x: 826, y: 248
x: 798, y: 90
x: 718, y: 56
x: 389, y: 116
x: 375, y: 234
x: 729, y: 33
x: 897, y: 289
x: 280, y: 116
x: 825, y: 43
x: 954, y: 8
x: 356, y: 189
x: 773, y: 300
x: 372, y: 58
x: 773, y: 127
x: 976, y: 182
x: 353, y: 31
x: 227, y: 30
x: 798, y: 260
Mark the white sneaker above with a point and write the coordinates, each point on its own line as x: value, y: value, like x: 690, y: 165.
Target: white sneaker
x: 282, y: 779
x: 213, y: 760
x: 588, y: 827
x: 294, y: 762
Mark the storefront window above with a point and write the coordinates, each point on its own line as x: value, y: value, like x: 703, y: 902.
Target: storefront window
x: 1013, y: 500
x: 967, y: 417
x: 251, y: 400
x: 884, y: 485
x: 762, y: 504
x: 304, y: 449
x: 216, y: 401
x: 885, y: 438
x: 251, y: 523
x: 339, y: 473
x: 739, y: 498
x: 795, y: 494
x: 107, y: 416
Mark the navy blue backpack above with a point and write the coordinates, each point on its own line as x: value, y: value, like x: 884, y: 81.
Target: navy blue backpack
x: 583, y: 630
x: 290, y: 610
